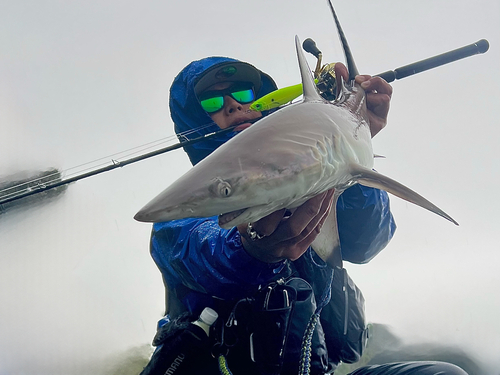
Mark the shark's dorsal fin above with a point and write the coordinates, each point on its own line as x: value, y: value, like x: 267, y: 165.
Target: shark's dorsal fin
x: 308, y: 85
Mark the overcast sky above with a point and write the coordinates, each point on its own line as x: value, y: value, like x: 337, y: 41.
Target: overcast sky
x: 83, y: 80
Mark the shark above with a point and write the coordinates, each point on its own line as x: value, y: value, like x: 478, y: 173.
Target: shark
x: 283, y: 160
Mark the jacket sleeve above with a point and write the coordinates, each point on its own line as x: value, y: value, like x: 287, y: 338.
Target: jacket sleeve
x: 365, y: 223
x: 200, y: 255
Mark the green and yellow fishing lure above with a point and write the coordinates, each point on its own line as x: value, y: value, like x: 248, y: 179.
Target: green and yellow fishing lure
x: 278, y: 98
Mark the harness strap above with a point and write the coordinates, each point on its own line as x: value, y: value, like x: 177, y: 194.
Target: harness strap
x: 306, y: 348
x: 224, y: 370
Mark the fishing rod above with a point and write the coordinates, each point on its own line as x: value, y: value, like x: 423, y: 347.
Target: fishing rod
x: 39, y: 188
x: 326, y: 80
x: 326, y: 85
x: 479, y: 47
x: 326, y: 75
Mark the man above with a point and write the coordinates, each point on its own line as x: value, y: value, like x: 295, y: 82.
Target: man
x: 248, y: 274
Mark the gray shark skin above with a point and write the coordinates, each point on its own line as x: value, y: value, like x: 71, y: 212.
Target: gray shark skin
x: 283, y: 160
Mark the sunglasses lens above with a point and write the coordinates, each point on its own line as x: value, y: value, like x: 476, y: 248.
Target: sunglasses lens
x: 213, y: 101
x: 244, y: 96
x: 214, y: 104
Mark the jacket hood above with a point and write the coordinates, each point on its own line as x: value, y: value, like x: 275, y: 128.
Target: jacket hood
x: 190, y: 120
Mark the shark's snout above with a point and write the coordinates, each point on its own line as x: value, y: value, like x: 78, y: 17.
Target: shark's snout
x: 155, y: 212
x: 145, y: 215
x: 141, y: 216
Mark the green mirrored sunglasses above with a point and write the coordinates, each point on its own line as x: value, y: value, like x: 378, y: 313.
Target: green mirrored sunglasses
x: 213, y: 101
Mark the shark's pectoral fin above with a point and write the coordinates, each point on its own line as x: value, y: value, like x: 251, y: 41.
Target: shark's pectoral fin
x: 367, y: 177
x: 327, y: 243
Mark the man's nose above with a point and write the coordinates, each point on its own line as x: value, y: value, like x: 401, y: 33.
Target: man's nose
x: 231, y: 105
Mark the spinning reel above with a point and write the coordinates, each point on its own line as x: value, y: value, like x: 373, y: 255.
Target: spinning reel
x: 325, y: 76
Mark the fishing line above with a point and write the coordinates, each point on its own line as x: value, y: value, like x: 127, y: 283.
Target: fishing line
x: 4, y: 193
x: 78, y: 168
x: 36, y: 183
x: 138, y: 149
x: 91, y: 171
x: 479, y: 47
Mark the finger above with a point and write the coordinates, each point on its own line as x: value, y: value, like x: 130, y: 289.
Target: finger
x: 273, y: 248
x: 302, y: 216
x: 317, y: 222
x: 360, y: 78
x: 378, y: 104
x: 267, y: 225
x: 301, y: 229
x: 374, y: 100
x: 381, y: 86
x: 312, y: 231
x: 341, y: 71
x: 378, y: 85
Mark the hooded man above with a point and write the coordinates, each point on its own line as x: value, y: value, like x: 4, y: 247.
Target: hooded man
x: 262, y: 278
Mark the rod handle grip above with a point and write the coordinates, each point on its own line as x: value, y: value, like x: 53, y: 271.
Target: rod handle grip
x: 480, y: 46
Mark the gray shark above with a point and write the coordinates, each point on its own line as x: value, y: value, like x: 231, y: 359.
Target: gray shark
x: 285, y: 159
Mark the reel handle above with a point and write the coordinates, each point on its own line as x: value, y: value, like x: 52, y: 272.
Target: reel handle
x: 309, y: 45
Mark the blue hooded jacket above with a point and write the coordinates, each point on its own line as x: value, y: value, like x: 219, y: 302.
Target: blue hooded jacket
x: 190, y: 120
x: 198, y: 259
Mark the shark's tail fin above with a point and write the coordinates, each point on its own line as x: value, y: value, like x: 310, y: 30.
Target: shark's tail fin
x: 369, y: 178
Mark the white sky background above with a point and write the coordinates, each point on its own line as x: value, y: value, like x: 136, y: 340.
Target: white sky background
x: 82, y: 80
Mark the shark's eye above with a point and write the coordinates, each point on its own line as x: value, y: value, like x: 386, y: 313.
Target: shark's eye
x: 225, y: 189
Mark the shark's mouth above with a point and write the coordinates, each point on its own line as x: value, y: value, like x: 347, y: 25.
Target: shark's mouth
x: 230, y: 216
